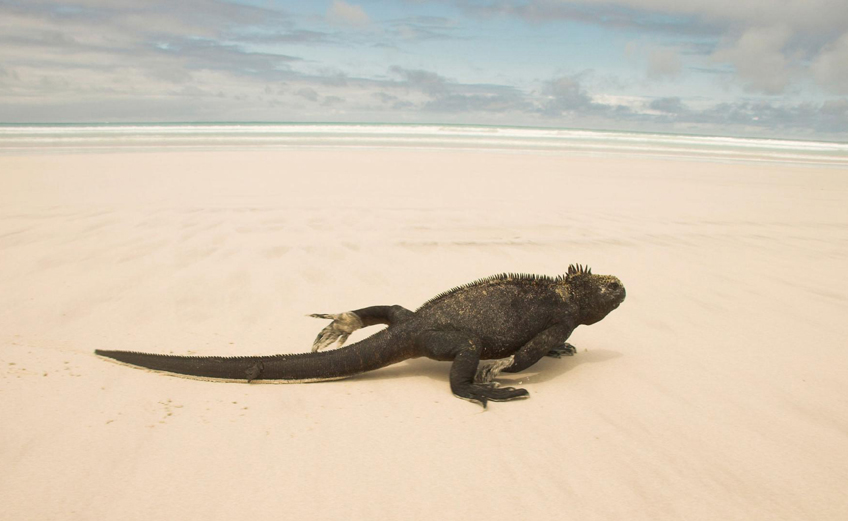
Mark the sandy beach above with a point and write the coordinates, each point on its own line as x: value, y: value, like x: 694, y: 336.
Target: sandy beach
x: 717, y: 391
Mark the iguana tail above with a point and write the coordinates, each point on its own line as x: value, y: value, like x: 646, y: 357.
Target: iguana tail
x: 377, y: 351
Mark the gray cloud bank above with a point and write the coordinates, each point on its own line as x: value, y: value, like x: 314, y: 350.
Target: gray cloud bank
x: 208, y: 60
x: 769, y: 44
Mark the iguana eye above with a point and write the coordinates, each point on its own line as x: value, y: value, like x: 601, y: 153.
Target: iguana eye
x: 614, y: 285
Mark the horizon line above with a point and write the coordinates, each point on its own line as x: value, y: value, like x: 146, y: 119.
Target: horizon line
x: 423, y: 124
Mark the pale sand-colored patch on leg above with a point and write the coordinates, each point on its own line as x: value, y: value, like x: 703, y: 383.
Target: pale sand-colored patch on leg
x: 488, y: 370
x: 342, y: 325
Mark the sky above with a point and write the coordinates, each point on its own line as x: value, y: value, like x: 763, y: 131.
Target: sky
x: 767, y: 68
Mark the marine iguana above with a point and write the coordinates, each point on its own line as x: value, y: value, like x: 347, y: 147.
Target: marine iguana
x: 505, y: 322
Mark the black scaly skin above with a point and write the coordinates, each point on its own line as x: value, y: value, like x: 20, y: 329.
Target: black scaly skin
x: 525, y: 316
x: 382, y: 349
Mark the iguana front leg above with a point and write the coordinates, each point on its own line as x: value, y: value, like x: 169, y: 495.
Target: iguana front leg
x: 488, y: 370
x: 343, y: 324
x: 549, y: 340
x: 464, y: 348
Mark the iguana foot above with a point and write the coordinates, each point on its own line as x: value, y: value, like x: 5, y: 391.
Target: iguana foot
x: 483, y: 393
x: 488, y: 370
x: 342, y: 325
x: 563, y: 350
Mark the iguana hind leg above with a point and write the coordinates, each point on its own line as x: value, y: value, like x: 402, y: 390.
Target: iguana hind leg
x: 464, y: 349
x: 343, y: 324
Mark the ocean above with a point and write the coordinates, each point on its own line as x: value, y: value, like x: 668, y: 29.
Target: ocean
x: 51, y: 138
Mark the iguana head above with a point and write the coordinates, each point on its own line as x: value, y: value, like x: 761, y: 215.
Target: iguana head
x: 595, y: 295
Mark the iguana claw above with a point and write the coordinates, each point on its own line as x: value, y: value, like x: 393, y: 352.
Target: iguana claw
x: 342, y: 325
x: 563, y: 350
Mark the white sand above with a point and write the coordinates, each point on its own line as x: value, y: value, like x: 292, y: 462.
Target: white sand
x: 718, y: 390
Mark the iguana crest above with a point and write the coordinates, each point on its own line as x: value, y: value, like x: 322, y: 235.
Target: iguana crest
x: 507, y: 278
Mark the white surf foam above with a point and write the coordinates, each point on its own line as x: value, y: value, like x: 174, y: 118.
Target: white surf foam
x: 16, y: 138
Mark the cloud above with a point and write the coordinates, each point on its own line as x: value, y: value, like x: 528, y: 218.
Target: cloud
x: 671, y: 105
x: 422, y: 28
x: 307, y: 93
x: 664, y: 64
x: 290, y: 36
x: 565, y: 95
x: 831, y: 66
x: 97, y: 35
x: 834, y: 116
x: 214, y: 55
x: 489, y: 102
x: 759, y: 58
x: 613, y: 13
x: 770, y: 45
x: 382, y: 96
x: 199, y: 18
x: 134, y: 60
x: 661, y: 63
x: 330, y: 101
x: 425, y: 81
x: 393, y: 102
x: 450, y: 97
x: 753, y: 118
x: 343, y: 13
x: 131, y: 56
x: 680, y: 16
x: 566, y: 99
